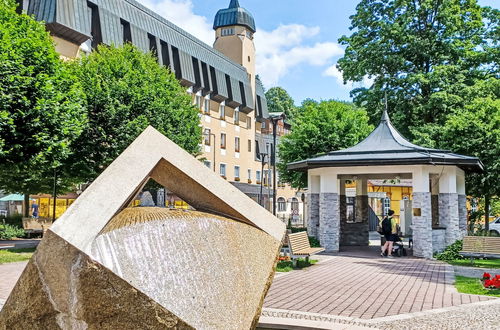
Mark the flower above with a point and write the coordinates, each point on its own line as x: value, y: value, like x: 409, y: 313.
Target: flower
x: 488, y: 283
x: 486, y: 276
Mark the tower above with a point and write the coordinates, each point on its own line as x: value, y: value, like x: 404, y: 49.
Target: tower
x: 234, y: 29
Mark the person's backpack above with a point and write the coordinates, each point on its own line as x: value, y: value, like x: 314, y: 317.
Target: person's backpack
x: 386, y: 226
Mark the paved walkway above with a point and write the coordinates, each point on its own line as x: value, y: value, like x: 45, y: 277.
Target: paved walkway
x: 9, y: 273
x: 367, y: 288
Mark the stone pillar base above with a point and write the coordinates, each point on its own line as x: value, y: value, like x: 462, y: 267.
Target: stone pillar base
x: 329, y: 221
x: 449, y: 217
x: 313, y: 214
x: 462, y: 215
x: 422, y: 225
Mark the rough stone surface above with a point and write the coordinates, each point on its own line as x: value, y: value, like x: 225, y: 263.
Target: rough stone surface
x: 362, y: 208
x: 329, y: 221
x: 313, y: 214
x: 438, y: 240
x: 462, y: 215
x: 62, y: 288
x: 422, y: 225
x: 449, y: 217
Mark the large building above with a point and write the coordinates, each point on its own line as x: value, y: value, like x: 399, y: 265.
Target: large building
x: 221, y: 79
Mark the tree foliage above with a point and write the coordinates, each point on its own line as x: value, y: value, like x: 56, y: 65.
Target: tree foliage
x: 422, y: 53
x: 278, y: 100
x: 40, y: 105
x: 127, y: 90
x: 320, y: 127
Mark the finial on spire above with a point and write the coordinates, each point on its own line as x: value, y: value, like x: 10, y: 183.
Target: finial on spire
x: 385, y: 114
x: 234, y: 4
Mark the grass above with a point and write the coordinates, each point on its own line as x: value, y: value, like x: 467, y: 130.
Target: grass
x: 479, y: 263
x: 473, y: 286
x: 287, y: 266
x: 15, y: 255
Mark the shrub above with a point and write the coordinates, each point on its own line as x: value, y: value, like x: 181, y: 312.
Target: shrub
x: 10, y: 232
x: 14, y: 220
x: 314, y: 242
x: 451, y: 252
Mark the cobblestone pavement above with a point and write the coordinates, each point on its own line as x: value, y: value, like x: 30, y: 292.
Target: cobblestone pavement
x: 9, y: 273
x: 368, y: 288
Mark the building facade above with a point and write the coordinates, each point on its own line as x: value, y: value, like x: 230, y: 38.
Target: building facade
x: 221, y: 79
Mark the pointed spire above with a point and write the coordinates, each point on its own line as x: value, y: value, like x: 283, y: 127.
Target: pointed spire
x: 385, y: 114
x: 234, y: 4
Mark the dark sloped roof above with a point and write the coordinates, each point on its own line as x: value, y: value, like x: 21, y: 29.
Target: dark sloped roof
x: 234, y: 15
x: 386, y: 146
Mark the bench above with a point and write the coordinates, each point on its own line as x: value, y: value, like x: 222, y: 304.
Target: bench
x: 481, y: 247
x: 34, y: 226
x: 298, y: 244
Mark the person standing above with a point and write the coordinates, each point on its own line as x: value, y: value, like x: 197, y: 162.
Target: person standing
x: 390, y: 230
x: 34, y: 210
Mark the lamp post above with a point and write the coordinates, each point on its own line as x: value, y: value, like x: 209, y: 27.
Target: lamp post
x: 262, y: 161
x: 209, y: 135
x: 274, y: 121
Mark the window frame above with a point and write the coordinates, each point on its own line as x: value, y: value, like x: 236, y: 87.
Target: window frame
x: 237, y: 144
x: 223, y: 142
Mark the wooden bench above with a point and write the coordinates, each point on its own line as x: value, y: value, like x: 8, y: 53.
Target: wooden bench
x: 481, y: 247
x: 298, y: 244
x: 34, y: 226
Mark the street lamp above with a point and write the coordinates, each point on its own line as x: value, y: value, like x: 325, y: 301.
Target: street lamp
x: 211, y: 134
x: 262, y: 156
x: 274, y: 121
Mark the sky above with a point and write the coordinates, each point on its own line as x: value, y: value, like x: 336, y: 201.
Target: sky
x: 296, y: 40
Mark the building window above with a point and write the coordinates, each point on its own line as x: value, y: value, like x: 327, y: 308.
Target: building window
x: 281, y: 204
x: 295, y: 204
x: 222, y: 112
x: 249, y: 145
x: 165, y: 54
x: 237, y: 144
x: 95, y: 25
x: 257, y: 176
x: 249, y: 174
x: 237, y: 173
x: 207, y: 163
x: 197, y: 101
x: 153, y: 48
x: 206, y: 106
x: 223, y: 140
x: 351, y: 209
x: 127, y: 33
x: 206, y: 136
x: 257, y: 149
x: 236, y: 117
x: 263, y: 125
x: 223, y: 170
x: 249, y: 122
x: 387, y: 205
x: 227, y: 32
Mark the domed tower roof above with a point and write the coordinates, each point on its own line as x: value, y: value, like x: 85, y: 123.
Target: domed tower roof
x: 234, y: 15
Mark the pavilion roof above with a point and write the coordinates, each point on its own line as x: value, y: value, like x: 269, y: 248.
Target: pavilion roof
x: 386, y: 146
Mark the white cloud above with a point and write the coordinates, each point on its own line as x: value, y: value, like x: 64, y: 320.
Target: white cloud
x: 180, y: 12
x: 332, y: 71
x: 278, y: 51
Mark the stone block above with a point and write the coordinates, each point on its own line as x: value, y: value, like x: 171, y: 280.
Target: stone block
x: 313, y: 214
x: 449, y: 217
x: 462, y: 215
x: 438, y: 240
x: 103, y: 266
x: 422, y: 225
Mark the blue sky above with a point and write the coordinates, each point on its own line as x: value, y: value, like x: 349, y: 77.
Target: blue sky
x: 296, y: 40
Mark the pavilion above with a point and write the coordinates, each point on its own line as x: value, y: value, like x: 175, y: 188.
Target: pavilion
x: 438, y: 180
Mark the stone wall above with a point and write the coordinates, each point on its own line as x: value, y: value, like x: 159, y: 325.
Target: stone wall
x: 354, y: 234
x: 362, y: 208
x: 329, y: 221
x: 438, y: 239
x: 422, y: 225
x: 448, y: 217
x: 462, y: 215
x: 313, y: 214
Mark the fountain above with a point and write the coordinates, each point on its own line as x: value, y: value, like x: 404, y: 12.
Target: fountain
x: 105, y: 266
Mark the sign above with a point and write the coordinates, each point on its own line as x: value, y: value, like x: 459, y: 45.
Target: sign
x: 295, y: 212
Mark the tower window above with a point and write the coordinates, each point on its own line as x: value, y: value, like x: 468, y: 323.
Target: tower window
x: 249, y: 34
x: 227, y: 32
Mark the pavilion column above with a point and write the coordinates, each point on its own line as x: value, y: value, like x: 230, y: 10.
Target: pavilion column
x: 361, y: 228
x: 448, y: 205
x: 313, y: 206
x: 462, y: 203
x: 422, y: 215
x: 329, y: 212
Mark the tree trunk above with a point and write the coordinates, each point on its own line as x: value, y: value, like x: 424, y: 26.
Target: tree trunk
x: 487, y: 214
x: 26, y: 211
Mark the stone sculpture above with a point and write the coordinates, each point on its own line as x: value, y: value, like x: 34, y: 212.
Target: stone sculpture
x: 104, y: 266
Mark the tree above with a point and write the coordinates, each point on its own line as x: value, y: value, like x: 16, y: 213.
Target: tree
x: 475, y: 131
x: 40, y: 109
x: 127, y: 90
x: 278, y: 100
x: 320, y: 127
x: 422, y: 53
